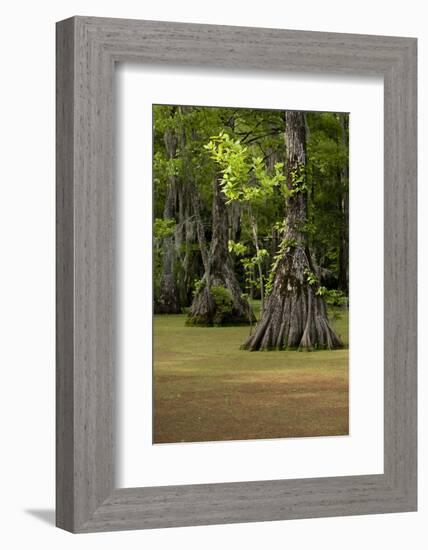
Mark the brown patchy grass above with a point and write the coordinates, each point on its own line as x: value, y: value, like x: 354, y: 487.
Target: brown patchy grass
x: 207, y: 389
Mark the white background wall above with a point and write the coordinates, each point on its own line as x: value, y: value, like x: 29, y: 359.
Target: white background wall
x: 27, y: 272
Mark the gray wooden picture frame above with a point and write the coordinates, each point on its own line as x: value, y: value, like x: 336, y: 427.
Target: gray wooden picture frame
x: 87, y: 50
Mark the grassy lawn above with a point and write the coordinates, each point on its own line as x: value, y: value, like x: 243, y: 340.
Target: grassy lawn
x: 207, y: 389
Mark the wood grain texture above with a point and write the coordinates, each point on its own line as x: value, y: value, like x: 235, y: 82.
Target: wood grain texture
x: 87, y: 49
x: 64, y: 276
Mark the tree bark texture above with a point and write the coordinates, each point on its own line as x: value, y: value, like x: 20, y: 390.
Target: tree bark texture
x: 168, y: 301
x: 180, y: 262
x: 343, y: 282
x: 295, y: 315
x: 219, y: 299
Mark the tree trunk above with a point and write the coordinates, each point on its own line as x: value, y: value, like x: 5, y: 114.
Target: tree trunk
x: 168, y: 301
x: 343, y: 260
x: 190, y: 259
x: 253, y: 224
x: 295, y: 316
x: 219, y: 299
x: 343, y: 282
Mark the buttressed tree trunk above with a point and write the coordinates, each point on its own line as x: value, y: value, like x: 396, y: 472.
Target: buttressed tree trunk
x: 295, y: 316
x: 219, y: 299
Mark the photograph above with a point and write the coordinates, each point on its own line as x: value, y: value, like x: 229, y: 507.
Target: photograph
x: 250, y: 273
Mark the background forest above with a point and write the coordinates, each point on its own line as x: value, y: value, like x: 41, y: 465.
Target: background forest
x: 250, y: 234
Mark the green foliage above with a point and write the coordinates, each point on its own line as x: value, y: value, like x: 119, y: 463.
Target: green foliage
x: 244, y: 176
x: 249, y: 264
x: 297, y: 180
x: 335, y: 297
x: 223, y: 300
x: 321, y: 291
x: 246, y: 149
x: 246, y: 179
x: 285, y: 245
x: 198, y: 286
x: 310, y: 277
x: 327, y: 184
x: 163, y: 228
x: 237, y: 248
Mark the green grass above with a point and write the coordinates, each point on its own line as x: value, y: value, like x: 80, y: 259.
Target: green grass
x: 207, y: 389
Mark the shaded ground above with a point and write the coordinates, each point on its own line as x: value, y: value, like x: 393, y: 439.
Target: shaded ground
x: 207, y: 389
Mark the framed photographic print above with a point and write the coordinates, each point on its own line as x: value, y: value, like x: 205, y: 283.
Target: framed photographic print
x: 236, y: 274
